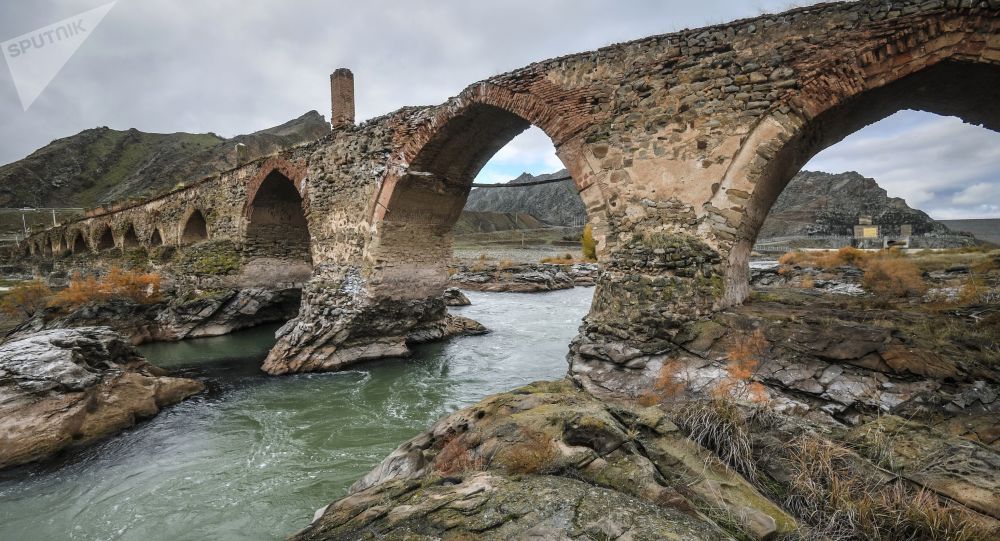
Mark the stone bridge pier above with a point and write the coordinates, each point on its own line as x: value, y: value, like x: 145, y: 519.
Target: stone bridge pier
x: 678, y: 145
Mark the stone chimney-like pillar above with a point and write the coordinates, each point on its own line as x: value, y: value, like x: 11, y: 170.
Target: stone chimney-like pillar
x: 342, y: 97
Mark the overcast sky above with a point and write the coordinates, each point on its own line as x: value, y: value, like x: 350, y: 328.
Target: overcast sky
x: 238, y: 66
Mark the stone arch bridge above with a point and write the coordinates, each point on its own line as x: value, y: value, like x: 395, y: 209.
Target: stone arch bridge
x: 678, y: 145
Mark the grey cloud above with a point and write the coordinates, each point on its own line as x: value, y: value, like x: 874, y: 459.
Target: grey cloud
x: 233, y: 66
x: 939, y: 164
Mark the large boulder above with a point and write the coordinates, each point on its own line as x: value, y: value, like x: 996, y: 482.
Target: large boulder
x: 491, y: 506
x: 65, y: 388
x: 557, y: 436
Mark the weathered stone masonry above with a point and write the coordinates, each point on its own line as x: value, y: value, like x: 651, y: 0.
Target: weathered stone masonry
x: 678, y: 145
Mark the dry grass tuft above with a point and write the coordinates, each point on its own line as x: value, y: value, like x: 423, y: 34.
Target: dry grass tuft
x: 25, y: 299
x: 480, y: 265
x: 720, y: 426
x: 456, y: 458
x: 893, y: 277
x: 826, y: 259
x: 840, y: 505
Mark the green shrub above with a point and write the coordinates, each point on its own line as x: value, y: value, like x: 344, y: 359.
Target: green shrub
x: 589, y: 244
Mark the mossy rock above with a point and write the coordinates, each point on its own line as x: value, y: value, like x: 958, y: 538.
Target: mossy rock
x: 553, y: 428
x: 210, y: 258
x: 488, y: 506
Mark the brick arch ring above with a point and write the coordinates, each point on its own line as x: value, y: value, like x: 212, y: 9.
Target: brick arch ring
x: 552, y: 115
x: 290, y: 170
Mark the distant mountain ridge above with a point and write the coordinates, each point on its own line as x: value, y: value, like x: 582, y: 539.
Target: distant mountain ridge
x: 555, y: 204
x: 100, y: 165
x: 818, y: 203
x: 813, y: 203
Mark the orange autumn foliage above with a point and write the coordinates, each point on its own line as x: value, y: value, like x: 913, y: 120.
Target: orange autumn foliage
x: 455, y: 458
x: 668, y: 385
x: 139, y: 287
x: 744, y: 359
x: 26, y: 299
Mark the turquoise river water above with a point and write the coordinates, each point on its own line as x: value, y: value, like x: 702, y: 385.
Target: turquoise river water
x: 255, y: 456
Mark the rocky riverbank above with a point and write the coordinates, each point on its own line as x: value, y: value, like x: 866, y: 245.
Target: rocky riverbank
x: 815, y: 411
x: 523, y: 277
x: 65, y: 388
x: 551, y: 461
x: 191, y: 315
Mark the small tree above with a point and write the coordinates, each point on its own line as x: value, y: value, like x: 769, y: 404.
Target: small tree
x: 589, y: 244
x: 26, y: 299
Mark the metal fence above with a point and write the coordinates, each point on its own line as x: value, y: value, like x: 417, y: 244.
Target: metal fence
x: 781, y: 245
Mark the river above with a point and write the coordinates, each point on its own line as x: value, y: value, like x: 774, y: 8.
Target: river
x: 254, y: 456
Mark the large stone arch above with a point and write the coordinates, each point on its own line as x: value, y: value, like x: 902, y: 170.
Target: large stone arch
x: 293, y: 172
x: 193, y: 227
x: 275, y: 213
x: 946, y: 73
x: 430, y: 178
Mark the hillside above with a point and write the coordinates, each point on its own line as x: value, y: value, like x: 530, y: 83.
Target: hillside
x: 817, y: 203
x: 813, y: 203
x: 554, y: 204
x: 102, y: 165
x: 488, y: 222
x: 987, y: 229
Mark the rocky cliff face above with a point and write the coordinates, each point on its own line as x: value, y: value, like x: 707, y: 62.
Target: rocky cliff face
x: 813, y: 203
x: 555, y: 204
x: 817, y: 203
x: 102, y: 165
x: 487, y: 222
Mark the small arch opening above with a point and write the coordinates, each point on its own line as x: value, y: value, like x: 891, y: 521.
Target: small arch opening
x: 106, y: 241
x: 130, y: 241
x: 78, y: 245
x: 195, y: 229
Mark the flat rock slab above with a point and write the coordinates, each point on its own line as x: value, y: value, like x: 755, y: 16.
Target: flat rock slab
x: 64, y: 388
x: 491, y: 506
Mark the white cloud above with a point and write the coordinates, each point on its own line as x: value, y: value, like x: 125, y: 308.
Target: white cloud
x: 938, y: 164
x: 976, y: 194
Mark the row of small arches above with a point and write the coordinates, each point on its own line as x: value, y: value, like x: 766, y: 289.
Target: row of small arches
x: 195, y: 230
